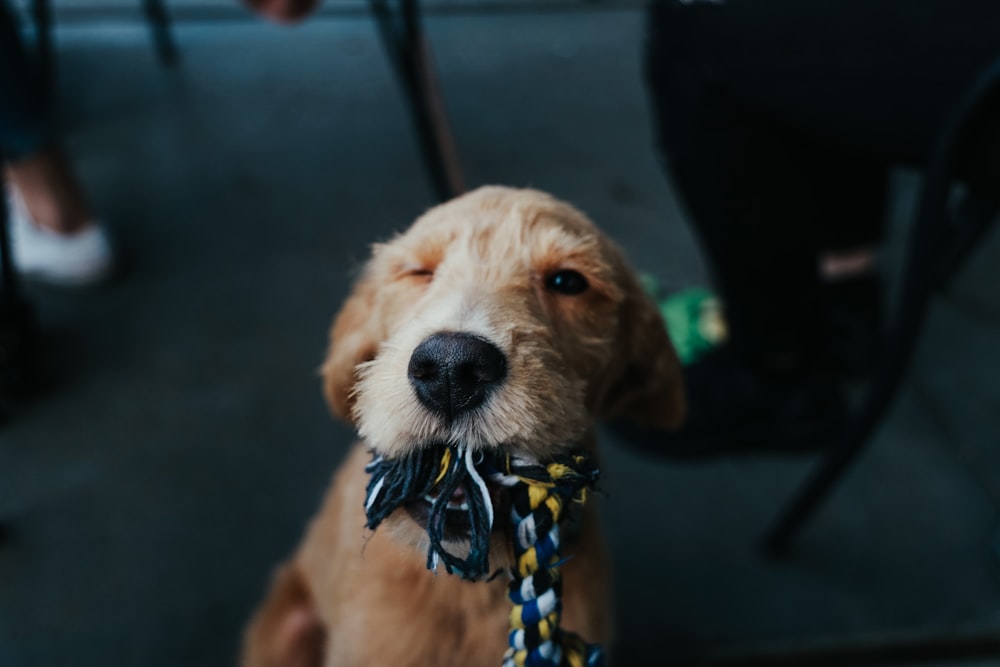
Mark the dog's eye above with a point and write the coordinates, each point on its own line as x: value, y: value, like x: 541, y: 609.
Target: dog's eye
x: 566, y: 282
x: 420, y: 272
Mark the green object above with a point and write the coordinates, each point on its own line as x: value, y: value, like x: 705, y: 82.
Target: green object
x: 694, y: 319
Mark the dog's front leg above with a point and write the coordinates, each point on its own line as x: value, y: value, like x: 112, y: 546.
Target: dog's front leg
x: 285, y: 631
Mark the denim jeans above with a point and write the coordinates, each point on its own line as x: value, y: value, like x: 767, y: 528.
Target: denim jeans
x: 24, y: 113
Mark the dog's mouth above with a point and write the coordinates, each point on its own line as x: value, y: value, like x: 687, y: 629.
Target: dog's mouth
x: 461, y: 496
x: 457, y: 524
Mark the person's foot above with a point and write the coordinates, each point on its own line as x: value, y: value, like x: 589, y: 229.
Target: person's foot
x: 48, y: 189
x: 76, y: 258
x: 735, y: 410
x: 54, y: 234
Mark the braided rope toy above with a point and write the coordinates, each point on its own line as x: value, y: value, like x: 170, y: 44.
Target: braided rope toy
x: 540, y: 495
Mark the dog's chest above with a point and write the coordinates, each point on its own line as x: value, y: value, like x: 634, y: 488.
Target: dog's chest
x: 418, y: 619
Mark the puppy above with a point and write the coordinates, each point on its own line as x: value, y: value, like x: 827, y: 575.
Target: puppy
x: 553, y: 332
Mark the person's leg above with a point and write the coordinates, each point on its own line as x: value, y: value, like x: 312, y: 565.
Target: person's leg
x: 50, y: 191
x: 745, y: 192
x: 768, y: 200
x: 55, y: 235
x: 849, y: 267
x: 765, y: 197
x: 23, y: 113
x: 778, y: 120
x: 35, y: 165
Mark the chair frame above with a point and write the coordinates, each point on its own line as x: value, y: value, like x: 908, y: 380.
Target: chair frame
x: 41, y: 15
x: 942, y: 239
x: 407, y: 47
x: 18, y: 333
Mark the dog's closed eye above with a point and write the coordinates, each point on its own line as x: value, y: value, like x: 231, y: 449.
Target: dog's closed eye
x: 420, y: 272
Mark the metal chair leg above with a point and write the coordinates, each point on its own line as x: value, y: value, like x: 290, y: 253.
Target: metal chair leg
x: 8, y: 276
x: 17, y: 329
x: 923, y: 271
x: 974, y: 218
x: 403, y: 36
x: 41, y: 16
x: 159, y: 26
x: 883, y: 390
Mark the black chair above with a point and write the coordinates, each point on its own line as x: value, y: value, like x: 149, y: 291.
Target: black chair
x: 11, y: 330
x: 404, y: 39
x: 944, y: 234
x: 405, y: 42
x: 17, y: 328
x: 18, y: 335
x: 403, y: 36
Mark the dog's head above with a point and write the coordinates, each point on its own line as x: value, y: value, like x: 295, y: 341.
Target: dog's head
x: 502, y: 319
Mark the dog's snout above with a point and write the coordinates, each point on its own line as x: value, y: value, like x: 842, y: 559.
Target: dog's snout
x: 454, y: 372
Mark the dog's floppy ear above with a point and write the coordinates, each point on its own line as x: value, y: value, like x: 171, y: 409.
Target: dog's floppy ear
x: 646, y: 385
x: 354, y: 339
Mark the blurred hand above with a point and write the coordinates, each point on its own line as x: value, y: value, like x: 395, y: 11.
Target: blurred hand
x: 283, y: 11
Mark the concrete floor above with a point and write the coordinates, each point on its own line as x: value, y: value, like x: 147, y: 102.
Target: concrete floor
x: 184, y: 443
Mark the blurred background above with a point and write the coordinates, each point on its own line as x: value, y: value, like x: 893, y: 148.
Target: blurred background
x: 181, y: 443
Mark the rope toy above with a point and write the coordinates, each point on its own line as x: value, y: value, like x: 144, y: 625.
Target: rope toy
x: 540, y: 495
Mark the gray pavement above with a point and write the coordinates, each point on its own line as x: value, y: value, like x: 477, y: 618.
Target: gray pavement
x: 184, y: 443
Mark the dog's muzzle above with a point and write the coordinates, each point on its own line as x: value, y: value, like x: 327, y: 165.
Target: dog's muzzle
x: 453, y: 373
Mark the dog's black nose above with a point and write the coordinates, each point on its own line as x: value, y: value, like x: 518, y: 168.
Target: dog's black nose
x: 454, y: 372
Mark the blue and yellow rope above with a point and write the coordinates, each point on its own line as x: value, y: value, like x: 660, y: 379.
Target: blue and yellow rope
x: 540, y: 498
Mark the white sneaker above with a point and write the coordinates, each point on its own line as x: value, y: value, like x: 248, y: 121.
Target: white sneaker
x: 81, y: 258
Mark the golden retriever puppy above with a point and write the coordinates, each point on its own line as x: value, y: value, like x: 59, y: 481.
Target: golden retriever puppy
x: 504, y: 321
